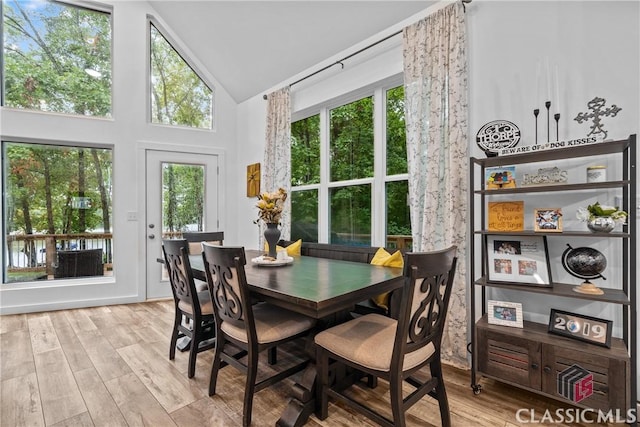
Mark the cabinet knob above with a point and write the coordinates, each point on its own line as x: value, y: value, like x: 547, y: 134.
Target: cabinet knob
x: 534, y: 366
x: 547, y: 369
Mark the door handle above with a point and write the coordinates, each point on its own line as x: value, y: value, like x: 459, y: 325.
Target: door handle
x: 152, y: 236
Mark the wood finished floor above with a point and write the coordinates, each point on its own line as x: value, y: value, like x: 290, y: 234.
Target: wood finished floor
x: 109, y: 366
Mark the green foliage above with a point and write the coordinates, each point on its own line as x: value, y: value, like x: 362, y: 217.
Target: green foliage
x: 351, y: 140
x: 183, y: 197
x: 47, y: 48
x: 42, y: 183
x: 396, y: 136
x: 178, y: 95
x: 305, y: 151
x: 351, y: 157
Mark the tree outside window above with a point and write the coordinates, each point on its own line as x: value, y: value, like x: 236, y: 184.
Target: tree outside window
x: 56, y: 58
x: 351, y: 144
x: 179, y: 97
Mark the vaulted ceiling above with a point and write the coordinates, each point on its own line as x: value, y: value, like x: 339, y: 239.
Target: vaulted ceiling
x: 251, y: 46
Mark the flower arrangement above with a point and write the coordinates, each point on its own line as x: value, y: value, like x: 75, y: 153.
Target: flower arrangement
x: 598, y: 210
x: 270, y: 206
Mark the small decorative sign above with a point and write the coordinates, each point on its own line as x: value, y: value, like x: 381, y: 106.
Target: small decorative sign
x: 580, y: 327
x: 504, y: 313
x: 500, y: 177
x: 548, y: 146
x: 506, y: 216
x: 545, y: 176
x: 548, y: 220
x: 497, y: 135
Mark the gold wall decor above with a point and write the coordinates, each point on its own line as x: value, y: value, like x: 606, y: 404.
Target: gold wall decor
x: 253, y: 180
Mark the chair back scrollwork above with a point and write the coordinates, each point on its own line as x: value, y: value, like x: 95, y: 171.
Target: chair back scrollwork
x: 426, y: 297
x: 224, y: 267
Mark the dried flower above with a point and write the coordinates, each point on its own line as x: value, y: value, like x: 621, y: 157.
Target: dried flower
x: 596, y: 210
x: 270, y: 206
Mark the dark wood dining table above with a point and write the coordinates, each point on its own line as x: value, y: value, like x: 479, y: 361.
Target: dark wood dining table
x: 316, y: 287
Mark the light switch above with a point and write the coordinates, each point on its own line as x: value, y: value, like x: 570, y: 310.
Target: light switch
x: 132, y: 216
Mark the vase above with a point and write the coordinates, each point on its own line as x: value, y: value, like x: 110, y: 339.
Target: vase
x: 272, y: 235
x: 601, y: 224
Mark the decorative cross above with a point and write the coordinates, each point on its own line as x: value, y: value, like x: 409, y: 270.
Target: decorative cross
x: 596, y: 105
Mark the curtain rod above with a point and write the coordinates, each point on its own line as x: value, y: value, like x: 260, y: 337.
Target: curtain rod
x: 340, y: 61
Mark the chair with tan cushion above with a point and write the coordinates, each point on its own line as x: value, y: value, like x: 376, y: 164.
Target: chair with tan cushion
x: 193, y: 310
x: 395, y: 349
x: 242, y: 325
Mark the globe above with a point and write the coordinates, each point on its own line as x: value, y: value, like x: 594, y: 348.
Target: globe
x: 585, y: 263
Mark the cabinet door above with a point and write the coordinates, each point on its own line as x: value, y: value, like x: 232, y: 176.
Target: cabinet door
x: 609, y: 377
x: 508, y: 358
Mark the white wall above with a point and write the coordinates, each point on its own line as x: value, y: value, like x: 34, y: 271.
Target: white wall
x: 126, y: 133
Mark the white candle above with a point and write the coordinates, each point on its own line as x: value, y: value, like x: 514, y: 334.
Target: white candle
x: 548, y: 79
x: 538, y: 71
x: 557, y: 84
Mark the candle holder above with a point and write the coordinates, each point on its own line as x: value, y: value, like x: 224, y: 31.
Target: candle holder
x: 548, y: 105
x: 556, y: 116
x: 535, y: 113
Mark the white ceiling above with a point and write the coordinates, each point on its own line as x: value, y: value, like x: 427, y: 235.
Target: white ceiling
x: 251, y: 46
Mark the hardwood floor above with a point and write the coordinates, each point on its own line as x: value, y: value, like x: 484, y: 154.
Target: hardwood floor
x: 109, y: 366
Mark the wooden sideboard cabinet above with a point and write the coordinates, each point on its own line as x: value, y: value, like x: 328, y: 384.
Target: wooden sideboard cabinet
x: 531, y: 358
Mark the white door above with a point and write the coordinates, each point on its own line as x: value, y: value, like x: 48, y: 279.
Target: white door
x: 181, y: 195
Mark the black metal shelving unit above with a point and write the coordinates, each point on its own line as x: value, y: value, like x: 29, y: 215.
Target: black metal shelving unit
x: 623, y: 295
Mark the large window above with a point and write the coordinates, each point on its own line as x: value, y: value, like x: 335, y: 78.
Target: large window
x: 179, y: 97
x: 58, y: 216
x: 56, y: 58
x: 343, y: 196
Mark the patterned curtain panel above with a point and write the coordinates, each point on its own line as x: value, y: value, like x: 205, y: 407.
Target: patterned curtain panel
x: 276, y: 167
x: 435, y: 82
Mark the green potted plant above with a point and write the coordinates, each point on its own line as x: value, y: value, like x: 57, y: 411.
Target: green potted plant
x: 601, y: 218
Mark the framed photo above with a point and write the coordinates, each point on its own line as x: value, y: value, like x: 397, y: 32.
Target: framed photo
x: 518, y: 259
x: 580, y: 327
x: 500, y: 177
x: 504, y: 313
x: 547, y: 220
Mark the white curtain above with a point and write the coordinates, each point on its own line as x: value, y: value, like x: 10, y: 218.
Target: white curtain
x: 276, y: 169
x: 435, y: 82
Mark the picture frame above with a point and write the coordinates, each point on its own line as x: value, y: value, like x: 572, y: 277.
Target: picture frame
x: 253, y: 180
x: 547, y: 220
x: 518, y: 260
x: 581, y: 327
x: 500, y: 177
x: 504, y: 313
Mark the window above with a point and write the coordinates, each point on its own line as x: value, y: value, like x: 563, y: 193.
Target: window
x: 56, y: 58
x: 179, y: 97
x: 58, y: 214
x: 353, y: 203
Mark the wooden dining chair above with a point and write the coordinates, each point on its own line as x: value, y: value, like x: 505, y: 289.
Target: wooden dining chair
x: 195, y: 238
x: 395, y: 349
x: 252, y: 328
x: 193, y: 310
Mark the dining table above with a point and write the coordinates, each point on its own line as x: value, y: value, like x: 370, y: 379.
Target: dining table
x: 317, y: 287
